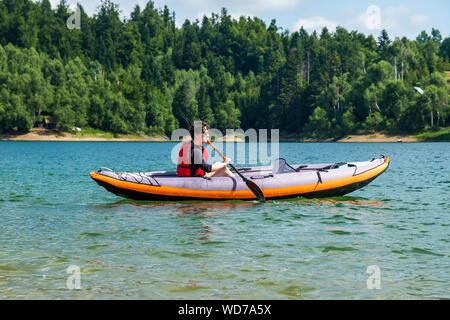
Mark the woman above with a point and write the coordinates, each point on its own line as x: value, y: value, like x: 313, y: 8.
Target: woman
x: 193, y: 157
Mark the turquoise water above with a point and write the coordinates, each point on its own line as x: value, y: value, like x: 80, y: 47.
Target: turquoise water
x: 54, y: 216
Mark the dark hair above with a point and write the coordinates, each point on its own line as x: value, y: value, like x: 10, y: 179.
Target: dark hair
x: 191, y: 129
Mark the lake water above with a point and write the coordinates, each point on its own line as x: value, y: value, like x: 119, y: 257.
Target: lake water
x: 54, y: 216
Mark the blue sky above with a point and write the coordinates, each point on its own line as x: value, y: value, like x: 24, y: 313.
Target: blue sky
x: 399, y: 17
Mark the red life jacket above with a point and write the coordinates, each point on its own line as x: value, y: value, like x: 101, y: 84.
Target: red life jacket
x: 185, y: 157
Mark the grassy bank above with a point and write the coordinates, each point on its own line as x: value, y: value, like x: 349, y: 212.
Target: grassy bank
x: 443, y: 134
x: 96, y: 133
x: 438, y: 135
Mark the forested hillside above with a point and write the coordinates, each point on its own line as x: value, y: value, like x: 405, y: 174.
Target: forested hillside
x: 143, y: 74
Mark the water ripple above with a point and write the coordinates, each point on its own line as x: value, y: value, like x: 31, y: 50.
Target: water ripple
x: 54, y: 216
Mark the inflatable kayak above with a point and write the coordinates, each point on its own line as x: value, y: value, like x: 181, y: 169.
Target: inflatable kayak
x: 279, y: 181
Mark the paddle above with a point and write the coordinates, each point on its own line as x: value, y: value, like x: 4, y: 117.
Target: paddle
x: 250, y: 184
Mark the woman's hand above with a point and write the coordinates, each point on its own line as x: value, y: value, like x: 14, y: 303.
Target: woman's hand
x: 226, y: 160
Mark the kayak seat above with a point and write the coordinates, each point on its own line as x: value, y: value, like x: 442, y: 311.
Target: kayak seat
x: 281, y: 166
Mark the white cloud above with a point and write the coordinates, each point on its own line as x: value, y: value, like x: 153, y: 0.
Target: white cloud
x: 237, y: 16
x: 391, y: 18
x: 397, y: 10
x: 273, y: 4
x: 235, y: 8
x: 315, y: 23
x: 394, y: 16
x: 420, y: 20
x: 54, y: 3
x: 245, y: 6
x: 371, y: 18
x: 395, y: 19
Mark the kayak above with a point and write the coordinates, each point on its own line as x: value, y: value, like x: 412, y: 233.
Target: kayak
x: 279, y: 181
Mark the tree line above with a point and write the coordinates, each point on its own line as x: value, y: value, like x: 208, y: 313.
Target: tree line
x: 142, y: 74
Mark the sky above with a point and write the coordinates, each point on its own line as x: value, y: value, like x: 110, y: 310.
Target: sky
x: 399, y: 17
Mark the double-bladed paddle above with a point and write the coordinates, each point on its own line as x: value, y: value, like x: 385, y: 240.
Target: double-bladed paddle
x: 250, y: 184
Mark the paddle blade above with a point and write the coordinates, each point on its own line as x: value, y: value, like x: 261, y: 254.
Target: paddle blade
x: 256, y: 190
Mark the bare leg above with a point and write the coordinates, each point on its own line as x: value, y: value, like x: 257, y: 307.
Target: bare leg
x: 228, y: 173
x: 222, y: 172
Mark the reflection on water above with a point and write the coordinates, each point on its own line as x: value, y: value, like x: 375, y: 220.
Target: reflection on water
x: 341, y: 200
x: 201, y: 206
x: 195, y: 213
x: 185, y: 205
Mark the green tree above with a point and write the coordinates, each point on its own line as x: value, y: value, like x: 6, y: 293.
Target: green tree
x: 143, y: 74
x: 318, y: 122
x: 373, y: 122
x: 383, y: 44
x: 444, y: 50
x: 184, y: 103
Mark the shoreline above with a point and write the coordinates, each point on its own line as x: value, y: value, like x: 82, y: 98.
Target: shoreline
x: 379, y: 137
x: 36, y: 134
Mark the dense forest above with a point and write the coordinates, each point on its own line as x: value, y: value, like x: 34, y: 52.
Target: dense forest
x: 143, y: 74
